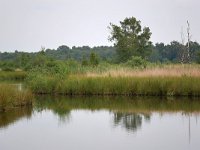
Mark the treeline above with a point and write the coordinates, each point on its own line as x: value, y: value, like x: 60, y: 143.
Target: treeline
x: 84, y: 55
x: 64, y: 52
x: 173, y: 52
x: 160, y: 53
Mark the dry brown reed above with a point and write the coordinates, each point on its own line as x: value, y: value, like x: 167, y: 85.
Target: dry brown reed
x: 164, y: 71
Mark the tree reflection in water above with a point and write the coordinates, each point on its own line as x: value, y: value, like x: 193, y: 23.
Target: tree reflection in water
x: 59, y: 107
x: 64, y: 114
x: 128, y: 112
x: 130, y: 121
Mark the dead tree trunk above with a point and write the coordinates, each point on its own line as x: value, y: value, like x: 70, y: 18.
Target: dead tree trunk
x: 188, y: 41
x: 185, y: 55
x: 182, y: 48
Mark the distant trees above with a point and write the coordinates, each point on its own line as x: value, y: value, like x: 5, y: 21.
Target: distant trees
x: 167, y: 53
x: 87, y: 56
x: 130, y: 39
x: 84, y: 61
x: 173, y: 52
x: 93, y: 60
x: 65, y: 53
x: 40, y: 59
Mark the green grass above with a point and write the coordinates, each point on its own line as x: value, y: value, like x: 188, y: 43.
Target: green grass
x: 144, y: 86
x: 12, y: 75
x: 11, y: 97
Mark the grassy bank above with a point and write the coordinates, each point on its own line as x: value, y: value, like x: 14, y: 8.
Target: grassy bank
x: 11, y: 97
x: 12, y: 75
x: 144, y: 86
x: 163, y: 80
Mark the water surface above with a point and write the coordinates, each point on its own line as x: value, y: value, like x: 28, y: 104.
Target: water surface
x: 96, y: 123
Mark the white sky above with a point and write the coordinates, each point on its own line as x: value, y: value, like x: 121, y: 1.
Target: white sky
x: 26, y: 25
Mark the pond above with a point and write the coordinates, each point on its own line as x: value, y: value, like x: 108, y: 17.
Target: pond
x: 97, y: 123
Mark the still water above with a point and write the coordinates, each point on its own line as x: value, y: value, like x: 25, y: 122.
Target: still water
x: 102, y: 123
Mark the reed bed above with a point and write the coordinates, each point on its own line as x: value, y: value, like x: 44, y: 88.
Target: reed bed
x: 159, y: 80
x: 117, y: 85
x: 11, y: 97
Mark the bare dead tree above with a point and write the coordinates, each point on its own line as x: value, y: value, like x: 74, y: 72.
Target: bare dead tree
x: 182, y: 50
x: 188, y: 40
x: 185, y: 48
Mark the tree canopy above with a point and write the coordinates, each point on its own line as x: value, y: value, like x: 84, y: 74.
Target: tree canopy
x: 130, y: 39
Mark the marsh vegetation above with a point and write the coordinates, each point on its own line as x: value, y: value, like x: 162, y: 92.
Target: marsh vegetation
x: 12, y: 97
x: 133, y: 67
x: 163, y: 80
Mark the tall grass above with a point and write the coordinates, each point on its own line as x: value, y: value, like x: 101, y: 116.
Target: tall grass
x: 159, y: 80
x: 11, y: 97
x: 145, y: 86
x: 151, y: 70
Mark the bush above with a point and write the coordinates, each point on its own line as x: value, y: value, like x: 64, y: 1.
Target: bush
x: 84, y: 62
x: 137, y: 62
x: 94, y: 60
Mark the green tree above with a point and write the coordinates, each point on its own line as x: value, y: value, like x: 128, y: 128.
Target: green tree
x: 24, y: 59
x: 198, y: 57
x: 130, y: 39
x: 40, y: 59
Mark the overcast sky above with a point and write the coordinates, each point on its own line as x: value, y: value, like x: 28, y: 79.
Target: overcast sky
x: 26, y: 25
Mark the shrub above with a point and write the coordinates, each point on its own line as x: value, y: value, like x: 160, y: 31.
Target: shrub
x: 137, y: 62
x: 94, y: 60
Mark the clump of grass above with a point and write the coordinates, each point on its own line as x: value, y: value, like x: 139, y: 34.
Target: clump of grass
x: 11, y: 97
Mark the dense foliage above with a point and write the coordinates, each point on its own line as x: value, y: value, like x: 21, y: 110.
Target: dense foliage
x: 172, y: 52
x: 130, y: 39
